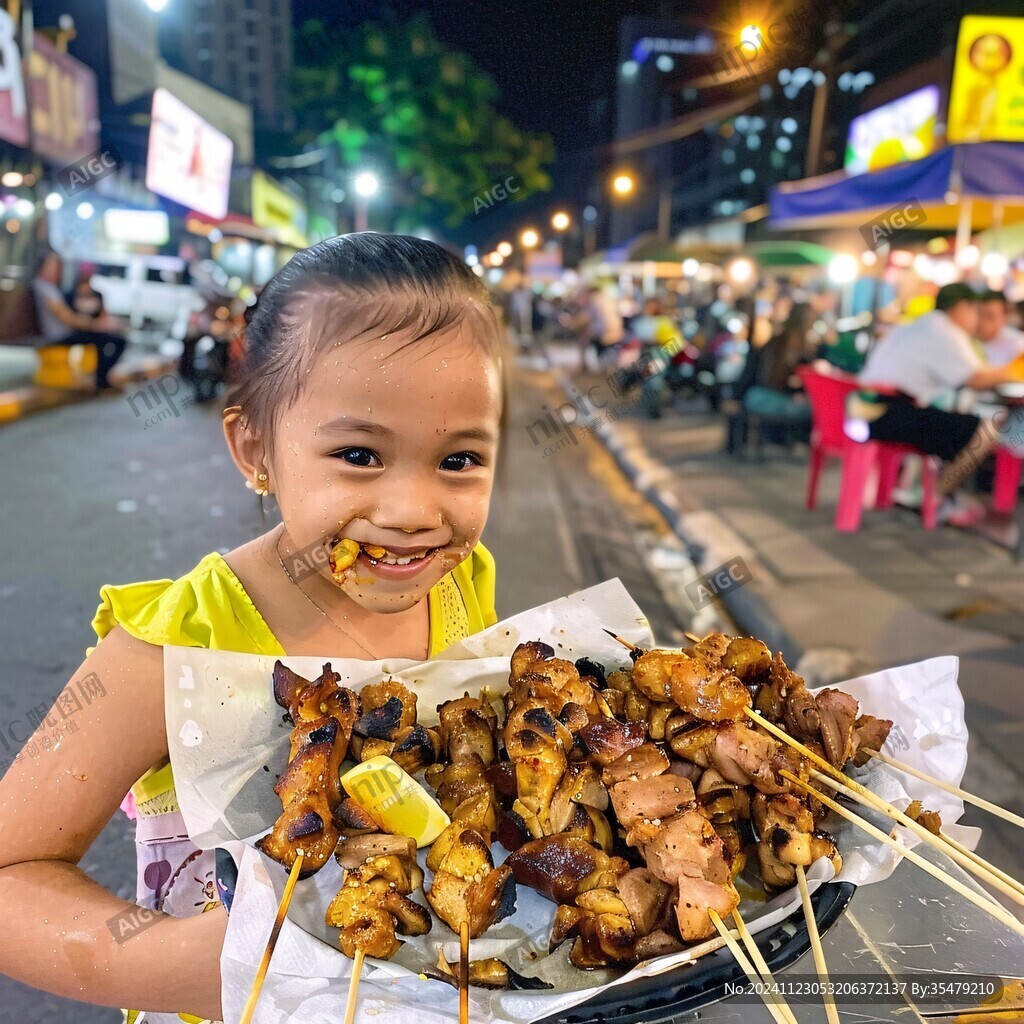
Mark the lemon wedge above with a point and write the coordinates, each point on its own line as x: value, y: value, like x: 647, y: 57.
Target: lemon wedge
x: 395, y: 800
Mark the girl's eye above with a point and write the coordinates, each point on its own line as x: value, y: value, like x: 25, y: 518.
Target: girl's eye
x: 460, y: 461
x: 362, y: 457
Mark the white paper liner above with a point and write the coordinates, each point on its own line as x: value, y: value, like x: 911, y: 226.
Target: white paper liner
x: 228, y: 742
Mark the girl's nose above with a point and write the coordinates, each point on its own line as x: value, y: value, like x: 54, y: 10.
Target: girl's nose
x: 407, y: 508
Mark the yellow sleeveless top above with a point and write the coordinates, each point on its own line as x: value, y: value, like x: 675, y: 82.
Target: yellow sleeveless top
x: 208, y: 607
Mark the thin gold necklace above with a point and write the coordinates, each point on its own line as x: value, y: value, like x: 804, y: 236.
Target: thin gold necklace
x: 330, y: 618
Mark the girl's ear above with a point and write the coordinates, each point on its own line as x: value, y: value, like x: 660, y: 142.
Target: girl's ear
x: 247, y: 449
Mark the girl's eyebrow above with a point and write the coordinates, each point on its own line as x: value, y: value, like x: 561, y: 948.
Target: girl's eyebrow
x: 369, y: 427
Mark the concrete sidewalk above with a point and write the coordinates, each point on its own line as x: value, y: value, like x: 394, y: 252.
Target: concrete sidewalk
x: 838, y: 605
x: 20, y: 396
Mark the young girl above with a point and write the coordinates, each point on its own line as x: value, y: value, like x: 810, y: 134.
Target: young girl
x: 371, y: 411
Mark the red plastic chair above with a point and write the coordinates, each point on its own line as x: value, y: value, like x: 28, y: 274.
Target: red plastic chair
x: 1006, y: 482
x: 827, y: 393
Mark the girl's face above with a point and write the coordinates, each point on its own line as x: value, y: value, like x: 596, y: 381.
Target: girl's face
x: 394, y: 449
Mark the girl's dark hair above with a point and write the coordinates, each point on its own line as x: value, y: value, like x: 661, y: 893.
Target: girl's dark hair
x: 362, y: 287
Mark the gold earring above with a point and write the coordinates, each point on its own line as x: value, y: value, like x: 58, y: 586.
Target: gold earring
x: 261, y: 484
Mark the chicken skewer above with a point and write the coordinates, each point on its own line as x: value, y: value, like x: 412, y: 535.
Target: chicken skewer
x: 1014, y: 819
x: 982, y: 902
x: 853, y: 789
x: 980, y: 871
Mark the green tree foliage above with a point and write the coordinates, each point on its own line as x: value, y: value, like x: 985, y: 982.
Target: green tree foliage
x: 390, y: 95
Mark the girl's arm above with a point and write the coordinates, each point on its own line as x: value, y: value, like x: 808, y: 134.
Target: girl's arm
x: 65, y: 933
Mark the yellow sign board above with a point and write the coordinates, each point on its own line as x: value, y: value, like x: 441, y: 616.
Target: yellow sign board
x: 986, y: 101
x: 278, y: 211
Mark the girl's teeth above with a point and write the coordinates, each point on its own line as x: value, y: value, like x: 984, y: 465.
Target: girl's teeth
x: 404, y: 560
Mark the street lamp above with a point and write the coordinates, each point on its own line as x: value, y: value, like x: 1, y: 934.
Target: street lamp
x: 623, y: 184
x: 529, y: 239
x: 560, y: 221
x: 366, y: 184
x: 504, y: 249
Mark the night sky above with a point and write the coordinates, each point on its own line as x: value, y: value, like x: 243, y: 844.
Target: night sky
x: 548, y: 57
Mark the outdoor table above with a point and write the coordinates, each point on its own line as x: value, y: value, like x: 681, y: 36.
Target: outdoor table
x: 908, y: 927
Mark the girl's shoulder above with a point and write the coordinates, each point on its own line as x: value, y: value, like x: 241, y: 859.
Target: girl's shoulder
x: 207, y: 607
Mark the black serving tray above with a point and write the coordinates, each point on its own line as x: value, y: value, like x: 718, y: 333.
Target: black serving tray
x: 654, y: 1000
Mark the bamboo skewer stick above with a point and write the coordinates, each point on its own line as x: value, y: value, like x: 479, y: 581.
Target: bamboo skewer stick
x: 980, y: 901
x: 847, y: 785
x: 759, y: 961
x: 970, y: 798
x: 625, y: 643
x: 979, y: 870
x: 984, y: 863
x: 692, y: 637
x: 464, y: 973
x: 772, y: 1003
x: 353, y: 987
x: 282, y: 910
x: 819, y: 954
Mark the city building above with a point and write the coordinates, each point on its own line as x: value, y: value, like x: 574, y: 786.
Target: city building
x: 240, y: 47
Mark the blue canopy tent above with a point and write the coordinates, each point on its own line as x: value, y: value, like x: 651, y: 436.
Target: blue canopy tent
x: 964, y: 187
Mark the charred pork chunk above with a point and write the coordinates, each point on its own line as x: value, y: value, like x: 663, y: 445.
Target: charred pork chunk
x: 693, y: 683
x: 490, y: 973
x: 838, y: 712
x: 467, y: 887
x: 643, y: 762
x: 653, y: 799
x: 323, y: 714
x: 870, y: 733
x: 389, y: 717
x: 748, y: 659
x: 747, y: 757
x: 929, y: 819
x: 788, y: 837
x: 373, y: 903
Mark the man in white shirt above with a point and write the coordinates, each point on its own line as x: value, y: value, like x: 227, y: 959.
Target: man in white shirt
x: 1002, y: 342
x: 923, y: 363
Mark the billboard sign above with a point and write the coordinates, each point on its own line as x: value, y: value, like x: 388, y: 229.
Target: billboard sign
x: 893, y: 133
x: 986, y: 101
x: 189, y: 160
x: 13, y: 108
x: 64, y: 104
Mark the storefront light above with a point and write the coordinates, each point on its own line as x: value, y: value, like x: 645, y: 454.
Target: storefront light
x: 13, y: 225
x: 54, y: 201
x: 868, y: 258
x: 993, y: 264
x: 12, y: 179
x: 923, y: 266
x: 24, y: 208
x: 504, y: 249
x: 85, y: 210
x: 690, y: 267
x: 968, y: 256
x: 843, y: 268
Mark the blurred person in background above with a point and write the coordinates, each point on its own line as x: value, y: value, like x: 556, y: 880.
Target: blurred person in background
x: 772, y: 389
x: 1001, y: 343
x: 604, y: 329
x: 917, y: 369
x: 63, y: 325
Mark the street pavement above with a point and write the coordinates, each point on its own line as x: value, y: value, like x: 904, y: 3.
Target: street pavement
x: 97, y: 495
x: 838, y: 605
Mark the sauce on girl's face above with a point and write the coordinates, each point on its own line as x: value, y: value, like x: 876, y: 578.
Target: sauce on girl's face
x: 394, y: 447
